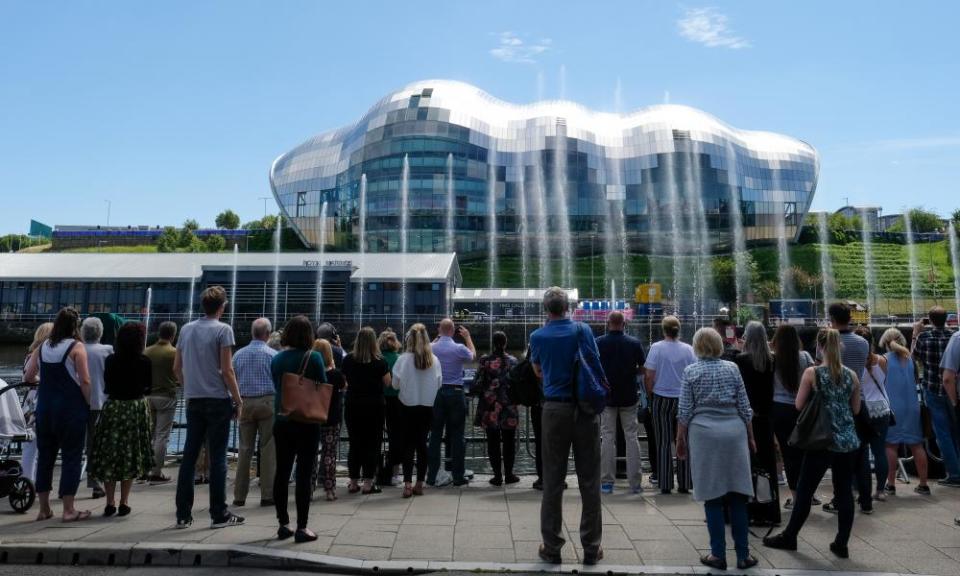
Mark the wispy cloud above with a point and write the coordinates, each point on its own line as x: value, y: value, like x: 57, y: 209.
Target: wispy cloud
x: 512, y: 48
x: 708, y: 26
x: 922, y: 143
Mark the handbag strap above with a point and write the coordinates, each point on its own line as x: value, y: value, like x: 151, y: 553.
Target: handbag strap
x: 306, y: 360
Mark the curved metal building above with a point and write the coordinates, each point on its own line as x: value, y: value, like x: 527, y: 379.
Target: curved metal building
x: 558, y: 175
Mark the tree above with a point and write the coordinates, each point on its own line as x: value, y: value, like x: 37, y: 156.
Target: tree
x: 215, y: 243
x: 921, y: 221
x: 228, y: 220
x: 725, y: 275
x: 956, y: 219
x: 191, y: 224
x: 168, y: 240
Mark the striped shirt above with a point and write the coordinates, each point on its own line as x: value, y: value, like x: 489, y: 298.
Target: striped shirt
x: 252, y: 365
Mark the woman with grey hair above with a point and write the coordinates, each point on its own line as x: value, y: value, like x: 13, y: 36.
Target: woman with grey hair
x: 714, y: 432
x: 757, y: 370
x: 91, y: 330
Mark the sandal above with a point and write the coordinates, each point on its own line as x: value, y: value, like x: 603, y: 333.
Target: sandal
x: 418, y: 489
x: 353, y: 488
x: 44, y: 516
x: 77, y: 517
x: 407, y: 491
x: 374, y: 489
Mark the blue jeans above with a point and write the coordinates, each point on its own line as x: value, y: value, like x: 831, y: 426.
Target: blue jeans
x: 945, y: 428
x: 450, y: 414
x: 739, y: 525
x: 208, y: 420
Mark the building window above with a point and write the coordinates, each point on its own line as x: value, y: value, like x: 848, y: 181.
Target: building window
x: 301, y: 203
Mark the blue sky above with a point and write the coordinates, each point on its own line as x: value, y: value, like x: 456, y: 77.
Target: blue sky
x: 172, y: 110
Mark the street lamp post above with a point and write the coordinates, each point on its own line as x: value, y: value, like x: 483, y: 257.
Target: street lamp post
x: 264, y: 198
x: 109, y: 205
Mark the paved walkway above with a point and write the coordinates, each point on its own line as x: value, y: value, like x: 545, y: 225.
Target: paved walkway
x: 480, y: 523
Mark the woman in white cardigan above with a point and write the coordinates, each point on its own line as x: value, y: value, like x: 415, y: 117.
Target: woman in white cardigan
x: 417, y: 376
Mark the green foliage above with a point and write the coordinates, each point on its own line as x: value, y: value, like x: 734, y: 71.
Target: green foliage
x: 262, y: 231
x: 12, y: 242
x: 215, y: 243
x: 168, y: 240
x: 725, y: 275
x: 228, y: 220
x: 955, y: 217
x: 921, y: 220
x: 142, y: 249
x: 191, y: 224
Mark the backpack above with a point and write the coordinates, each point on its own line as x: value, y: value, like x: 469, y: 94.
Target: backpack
x: 523, y: 386
x: 590, y: 386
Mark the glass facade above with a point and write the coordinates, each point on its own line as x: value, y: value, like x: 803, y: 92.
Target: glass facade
x: 625, y: 175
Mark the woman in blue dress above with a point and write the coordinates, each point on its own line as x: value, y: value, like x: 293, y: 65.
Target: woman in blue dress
x: 905, y: 404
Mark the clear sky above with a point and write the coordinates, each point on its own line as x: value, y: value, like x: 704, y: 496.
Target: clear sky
x: 174, y: 110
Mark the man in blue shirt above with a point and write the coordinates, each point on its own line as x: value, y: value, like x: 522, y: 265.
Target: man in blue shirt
x: 622, y: 358
x: 252, y: 365
x: 450, y: 406
x: 553, y: 352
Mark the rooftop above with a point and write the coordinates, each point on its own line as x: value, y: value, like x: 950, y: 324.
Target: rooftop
x: 381, y: 267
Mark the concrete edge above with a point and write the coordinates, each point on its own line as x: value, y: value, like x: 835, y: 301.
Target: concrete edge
x: 188, y: 554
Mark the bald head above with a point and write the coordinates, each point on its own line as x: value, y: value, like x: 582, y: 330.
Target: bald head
x: 260, y: 330
x: 446, y: 327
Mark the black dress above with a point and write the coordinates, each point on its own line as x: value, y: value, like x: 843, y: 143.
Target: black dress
x: 759, y: 385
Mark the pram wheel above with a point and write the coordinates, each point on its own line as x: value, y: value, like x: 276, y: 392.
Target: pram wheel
x: 22, y: 495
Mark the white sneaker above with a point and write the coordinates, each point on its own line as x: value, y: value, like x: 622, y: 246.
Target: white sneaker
x: 397, y: 480
x: 467, y: 474
x: 444, y: 478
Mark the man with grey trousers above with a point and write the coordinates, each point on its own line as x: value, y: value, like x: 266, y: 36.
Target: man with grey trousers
x: 553, y: 351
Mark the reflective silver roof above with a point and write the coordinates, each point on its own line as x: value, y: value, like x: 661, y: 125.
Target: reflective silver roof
x: 382, y: 267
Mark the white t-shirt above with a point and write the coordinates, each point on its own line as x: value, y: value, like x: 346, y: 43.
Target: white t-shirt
x: 668, y: 358
x: 53, y: 355
x: 96, y: 358
x: 417, y: 387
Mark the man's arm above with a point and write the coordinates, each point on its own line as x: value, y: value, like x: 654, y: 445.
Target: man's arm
x: 950, y: 385
x: 537, y: 370
x: 178, y: 366
x: 468, y: 341
x: 229, y: 376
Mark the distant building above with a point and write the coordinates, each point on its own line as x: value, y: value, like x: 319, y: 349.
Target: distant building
x: 40, y: 230
x: 888, y: 220
x: 35, y: 286
x: 69, y: 236
x: 870, y: 215
x: 459, y: 155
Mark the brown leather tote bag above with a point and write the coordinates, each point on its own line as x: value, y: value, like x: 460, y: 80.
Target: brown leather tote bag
x: 303, y: 399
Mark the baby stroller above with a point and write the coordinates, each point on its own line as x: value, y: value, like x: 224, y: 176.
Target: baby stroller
x: 13, y: 428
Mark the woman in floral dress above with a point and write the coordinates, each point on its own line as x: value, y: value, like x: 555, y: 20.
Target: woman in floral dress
x: 495, y: 414
x: 122, y: 449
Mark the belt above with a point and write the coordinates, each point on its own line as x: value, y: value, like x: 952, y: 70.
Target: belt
x: 559, y: 399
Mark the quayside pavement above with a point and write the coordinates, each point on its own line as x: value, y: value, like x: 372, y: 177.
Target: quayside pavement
x: 483, y: 527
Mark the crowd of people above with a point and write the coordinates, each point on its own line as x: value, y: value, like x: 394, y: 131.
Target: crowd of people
x: 723, y: 421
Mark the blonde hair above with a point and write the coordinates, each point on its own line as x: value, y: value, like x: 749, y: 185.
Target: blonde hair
x: 387, y: 341
x: 707, y: 343
x: 326, y: 351
x: 828, y: 340
x: 894, y: 341
x: 40, y: 335
x: 417, y: 342
x: 365, y: 348
x: 670, y: 326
